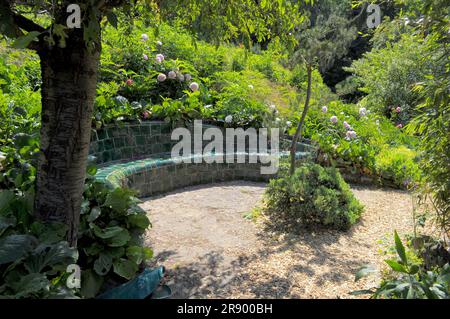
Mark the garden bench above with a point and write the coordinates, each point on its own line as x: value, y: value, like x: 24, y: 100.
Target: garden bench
x: 138, y: 156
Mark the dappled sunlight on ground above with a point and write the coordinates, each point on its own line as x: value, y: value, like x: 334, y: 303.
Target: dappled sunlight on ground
x: 210, y: 249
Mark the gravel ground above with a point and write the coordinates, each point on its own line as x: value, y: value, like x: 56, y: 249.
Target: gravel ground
x: 211, y: 251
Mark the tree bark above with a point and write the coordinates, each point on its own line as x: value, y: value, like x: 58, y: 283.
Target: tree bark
x: 69, y: 78
x: 298, y: 132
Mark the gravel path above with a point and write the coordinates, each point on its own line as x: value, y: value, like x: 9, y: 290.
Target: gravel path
x: 211, y: 251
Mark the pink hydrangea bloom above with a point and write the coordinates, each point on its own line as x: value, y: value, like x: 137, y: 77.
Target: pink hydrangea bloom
x: 398, y: 109
x: 334, y: 119
x: 324, y: 109
x: 145, y: 56
x: 351, y: 134
x: 194, y: 86
x: 159, y: 58
x: 346, y: 125
x: 363, y: 111
x: 146, y: 114
x: 400, y: 125
x: 129, y: 82
x: 161, y: 77
x: 172, y: 75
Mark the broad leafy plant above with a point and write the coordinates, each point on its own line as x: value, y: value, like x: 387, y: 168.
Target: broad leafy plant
x: 408, y: 280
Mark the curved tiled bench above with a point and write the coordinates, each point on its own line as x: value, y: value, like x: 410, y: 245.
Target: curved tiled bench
x: 126, y: 165
x: 160, y: 174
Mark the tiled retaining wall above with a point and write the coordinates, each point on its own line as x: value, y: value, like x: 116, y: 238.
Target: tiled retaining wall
x: 138, y: 156
x: 113, y: 144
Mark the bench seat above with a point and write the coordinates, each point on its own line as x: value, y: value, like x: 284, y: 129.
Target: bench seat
x: 160, y: 173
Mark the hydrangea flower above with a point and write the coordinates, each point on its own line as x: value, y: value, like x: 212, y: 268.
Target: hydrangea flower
x: 346, y: 125
x: 145, y: 56
x: 129, y: 82
x: 324, y: 109
x: 159, y: 43
x: 161, y: 77
x: 194, y: 86
x: 172, y: 75
x: 159, y: 58
x: 334, y: 119
x: 144, y: 37
x: 146, y: 114
x: 400, y: 125
x: 351, y: 134
x: 398, y: 109
x: 362, y: 111
x: 187, y: 77
x: 229, y: 119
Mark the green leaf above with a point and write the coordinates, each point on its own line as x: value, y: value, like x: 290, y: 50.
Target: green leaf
x: 414, y: 269
x: 6, y: 197
x: 6, y: 222
x: 125, y: 268
x: 22, y: 139
x: 94, y: 249
x: 107, y: 232
x: 364, y: 271
x: 396, y: 266
x: 51, y: 255
x: 91, y: 170
x: 90, y: 283
x: 115, y: 252
x: 120, y: 239
x: 400, y: 248
x: 139, y: 254
x: 23, y: 41
x: 53, y: 233
x: 118, y: 199
x: 139, y: 220
x: 103, y: 264
x: 94, y: 214
x: 30, y: 284
x: 14, y: 247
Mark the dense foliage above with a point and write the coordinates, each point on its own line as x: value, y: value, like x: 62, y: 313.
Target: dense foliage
x: 313, y: 195
x: 34, y: 255
x: 407, y: 278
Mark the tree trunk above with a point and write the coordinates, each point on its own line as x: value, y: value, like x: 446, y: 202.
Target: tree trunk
x: 298, y: 133
x: 69, y: 78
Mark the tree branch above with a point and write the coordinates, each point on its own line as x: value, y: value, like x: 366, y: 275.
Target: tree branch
x: 26, y: 24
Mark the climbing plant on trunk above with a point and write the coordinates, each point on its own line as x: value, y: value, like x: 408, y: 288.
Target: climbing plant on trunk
x: 70, y: 56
